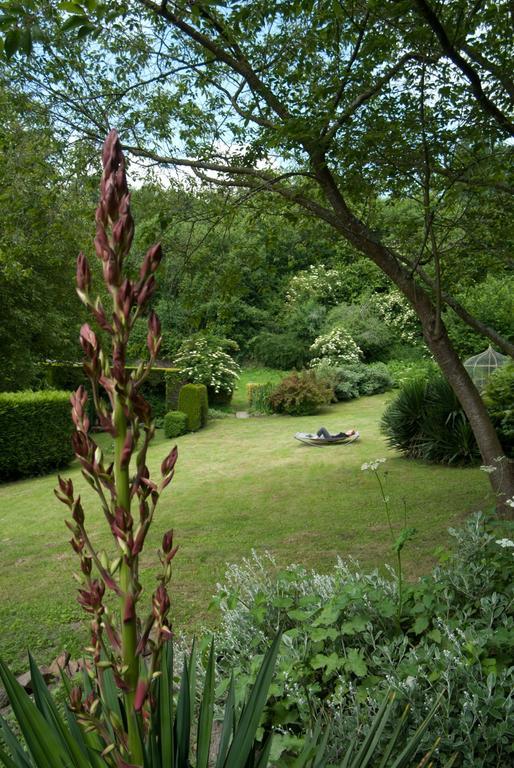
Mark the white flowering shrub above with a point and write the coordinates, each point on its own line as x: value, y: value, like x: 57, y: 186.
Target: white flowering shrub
x: 335, y: 348
x: 204, y: 362
x: 328, y: 286
x: 396, y: 312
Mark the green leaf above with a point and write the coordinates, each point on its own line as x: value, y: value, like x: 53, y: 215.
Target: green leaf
x: 252, y: 712
x: 165, y: 706
x: 318, y: 634
x: 228, y: 725
x: 355, y: 663
x: 435, y: 635
x: 206, y: 714
x: 11, y: 43
x: 12, y: 743
x: 421, y: 624
x: 356, y: 624
x: 48, y: 709
x: 183, y: 720
x: 329, y: 663
x: 39, y: 735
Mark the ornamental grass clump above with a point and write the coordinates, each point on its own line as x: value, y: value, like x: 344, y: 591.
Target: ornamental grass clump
x: 124, y: 713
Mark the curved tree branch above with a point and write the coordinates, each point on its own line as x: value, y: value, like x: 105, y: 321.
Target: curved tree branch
x: 465, y: 67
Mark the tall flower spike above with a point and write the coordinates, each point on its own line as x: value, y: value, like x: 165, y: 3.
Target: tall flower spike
x: 118, y: 638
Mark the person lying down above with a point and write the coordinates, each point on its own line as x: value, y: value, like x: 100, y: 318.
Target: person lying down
x: 324, y: 433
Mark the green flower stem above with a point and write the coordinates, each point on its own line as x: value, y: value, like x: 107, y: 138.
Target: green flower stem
x: 393, y: 539
x: 128, y: 628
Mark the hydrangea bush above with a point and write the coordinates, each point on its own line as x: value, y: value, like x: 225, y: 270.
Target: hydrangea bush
x: 205, y: 362
x: 396, y: 312
x: 335, y: 348
x: 328, y: 286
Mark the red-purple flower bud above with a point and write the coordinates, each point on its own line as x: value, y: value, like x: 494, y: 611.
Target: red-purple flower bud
x: 77, y: 512
x: 91, y: 599
x: 77, y: 544
x: 83, y: 274
x: 111, y: 272
x: 146, y: 292
x: 154, y: 324
x: 170, y: 461
x: 81, y: 444
x: 102, y: 247
x: 167, y: 541
x: 110, y: 160
x: 99, y: 314
x: 86, y: 565
x: 65, y: 491
x: 76, y: 699
x: 88, y: 341
x: 123, y: 230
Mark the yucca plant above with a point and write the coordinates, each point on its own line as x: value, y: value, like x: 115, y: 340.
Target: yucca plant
x: 123, y: 712
x: 426, y: 421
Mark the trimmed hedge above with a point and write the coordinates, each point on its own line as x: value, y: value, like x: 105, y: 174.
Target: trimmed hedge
x: 175, y: 424
x: 204, y: 403
x: 35, y: 433
x: 160, y: 389
x: 192, y: 400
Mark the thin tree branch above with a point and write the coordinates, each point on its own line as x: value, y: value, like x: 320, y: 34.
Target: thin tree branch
x: 465, y: 67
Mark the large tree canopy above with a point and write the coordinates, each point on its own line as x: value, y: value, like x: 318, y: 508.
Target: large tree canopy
x: 332, y: 105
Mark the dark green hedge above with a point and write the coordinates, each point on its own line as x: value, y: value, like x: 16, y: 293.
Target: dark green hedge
x: 192, y: 400
x: 160, y: 389
x: 35, y: 432
x: 175, y: 424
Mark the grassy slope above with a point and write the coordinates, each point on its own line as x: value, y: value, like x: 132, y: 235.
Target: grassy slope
x: 240, y: 484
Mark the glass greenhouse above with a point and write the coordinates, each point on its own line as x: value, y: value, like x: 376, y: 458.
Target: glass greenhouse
x: 481, y: 366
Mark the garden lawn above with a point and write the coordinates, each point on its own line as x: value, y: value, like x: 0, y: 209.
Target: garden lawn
x: 240, y: 484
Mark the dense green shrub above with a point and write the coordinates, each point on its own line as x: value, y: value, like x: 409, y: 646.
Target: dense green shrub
x: 259, y: 397
x: 373, y: 337
x: 35, y: 432
x: 489, y: 301
x: 403, y: 371
x: 282, y: 350
x: 351, y: 381
x: 300, y: 394
x: 175, y: 424
x: 374, y: 379
x: 191, y: 402
x: 426, y: 421
x: 344, y: 645
x: 343, y: 380
x: 499, y: 399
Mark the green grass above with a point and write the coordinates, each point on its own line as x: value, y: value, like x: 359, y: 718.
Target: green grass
x: 240, y: 484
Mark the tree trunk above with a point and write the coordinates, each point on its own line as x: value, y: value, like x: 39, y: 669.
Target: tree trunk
x: 356, y: 232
